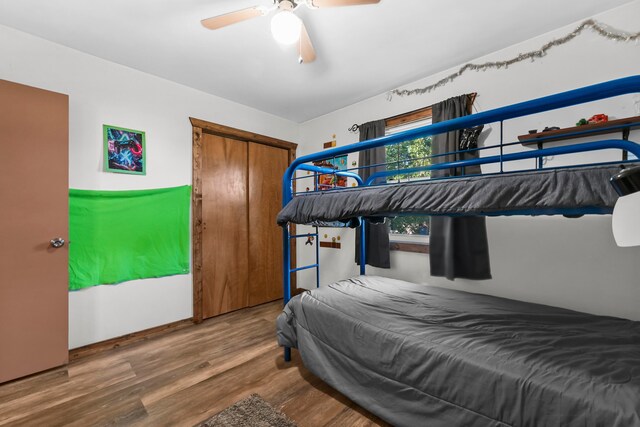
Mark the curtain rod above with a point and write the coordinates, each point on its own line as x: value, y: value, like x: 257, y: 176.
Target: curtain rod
x: 472, y: 97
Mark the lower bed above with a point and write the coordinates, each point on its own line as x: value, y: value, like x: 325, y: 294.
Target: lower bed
x: 420, y: 355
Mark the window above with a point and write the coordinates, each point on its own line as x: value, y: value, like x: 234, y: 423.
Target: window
x: 409, y: 154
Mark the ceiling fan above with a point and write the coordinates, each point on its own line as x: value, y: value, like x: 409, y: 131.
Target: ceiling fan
x: 286, y: 27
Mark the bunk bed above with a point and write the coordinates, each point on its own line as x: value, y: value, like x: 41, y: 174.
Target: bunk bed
x: 422, y: 355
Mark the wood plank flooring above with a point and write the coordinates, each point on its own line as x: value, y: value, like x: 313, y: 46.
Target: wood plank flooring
x: 181, y: 379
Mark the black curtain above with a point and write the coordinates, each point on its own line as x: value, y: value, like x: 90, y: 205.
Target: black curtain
x: 458, y: 246
x: 376, y: 235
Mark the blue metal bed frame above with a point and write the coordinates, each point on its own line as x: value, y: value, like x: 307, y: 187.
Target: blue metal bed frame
x: 565, y: 99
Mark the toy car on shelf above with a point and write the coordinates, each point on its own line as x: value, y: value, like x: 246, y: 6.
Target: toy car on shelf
x: 598, y: 118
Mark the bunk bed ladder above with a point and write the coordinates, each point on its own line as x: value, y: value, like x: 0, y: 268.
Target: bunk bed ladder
x: 290, y: 270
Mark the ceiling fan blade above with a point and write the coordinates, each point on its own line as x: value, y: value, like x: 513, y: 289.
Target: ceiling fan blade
x: 307, y: 52
x: 233, y: 17
x: 335, y: 3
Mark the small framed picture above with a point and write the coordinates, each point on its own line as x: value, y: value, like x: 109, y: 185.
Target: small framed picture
x: 124, y: 150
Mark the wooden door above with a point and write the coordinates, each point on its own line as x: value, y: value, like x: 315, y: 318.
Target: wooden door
x: 225, y: 264
x: 34, y: 189
x: 267, y: 164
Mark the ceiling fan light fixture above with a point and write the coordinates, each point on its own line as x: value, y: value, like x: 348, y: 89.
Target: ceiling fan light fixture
x: 285, y: 27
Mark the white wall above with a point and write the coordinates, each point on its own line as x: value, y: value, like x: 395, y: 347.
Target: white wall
x: 571, y: 263
x: 102, y: 92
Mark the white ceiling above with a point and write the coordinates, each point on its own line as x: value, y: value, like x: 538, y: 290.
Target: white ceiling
x: 362, y: 50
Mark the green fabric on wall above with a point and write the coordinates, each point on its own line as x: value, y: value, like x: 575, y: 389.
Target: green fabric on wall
x: 115, y: 236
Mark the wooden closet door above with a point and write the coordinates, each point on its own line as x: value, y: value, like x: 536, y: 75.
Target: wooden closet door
x: 225, y: 262
x: 266, y: 167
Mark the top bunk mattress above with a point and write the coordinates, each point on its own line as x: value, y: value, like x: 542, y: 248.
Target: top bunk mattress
x: 570, y: 191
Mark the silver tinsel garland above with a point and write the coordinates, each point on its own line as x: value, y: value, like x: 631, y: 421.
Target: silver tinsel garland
x: 532, y: 55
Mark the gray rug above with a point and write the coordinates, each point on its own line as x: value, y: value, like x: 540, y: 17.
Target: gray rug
x: 250, y: 412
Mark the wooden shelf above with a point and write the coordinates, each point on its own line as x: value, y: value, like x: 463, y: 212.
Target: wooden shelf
x: 332, y: 245
x: 421, y: 248
x: 580, y: 131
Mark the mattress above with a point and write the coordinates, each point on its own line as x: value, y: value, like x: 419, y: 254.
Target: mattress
x: 571, y: 191
x: 422, y: 355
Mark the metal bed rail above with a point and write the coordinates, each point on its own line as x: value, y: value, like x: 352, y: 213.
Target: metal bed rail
x: 591, y: 93
x: 608, y: 144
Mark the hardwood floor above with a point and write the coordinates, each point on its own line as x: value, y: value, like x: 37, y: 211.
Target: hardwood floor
x: 181, y: 379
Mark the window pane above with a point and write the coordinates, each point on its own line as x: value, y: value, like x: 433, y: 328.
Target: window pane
x: 415, y: 224
x: 409, y: 154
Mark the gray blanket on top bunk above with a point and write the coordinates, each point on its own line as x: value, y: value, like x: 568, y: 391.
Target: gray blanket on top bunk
x: 582, y: 190
x: 418, y: 355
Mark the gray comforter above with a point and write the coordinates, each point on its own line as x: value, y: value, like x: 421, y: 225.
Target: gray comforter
x: 418, y: 355
x: 564, y: 191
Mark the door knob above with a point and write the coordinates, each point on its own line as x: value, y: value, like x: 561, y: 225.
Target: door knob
x: 58, y: 242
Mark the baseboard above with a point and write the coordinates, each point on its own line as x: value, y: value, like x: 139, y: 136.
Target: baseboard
x: 134, y: 337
